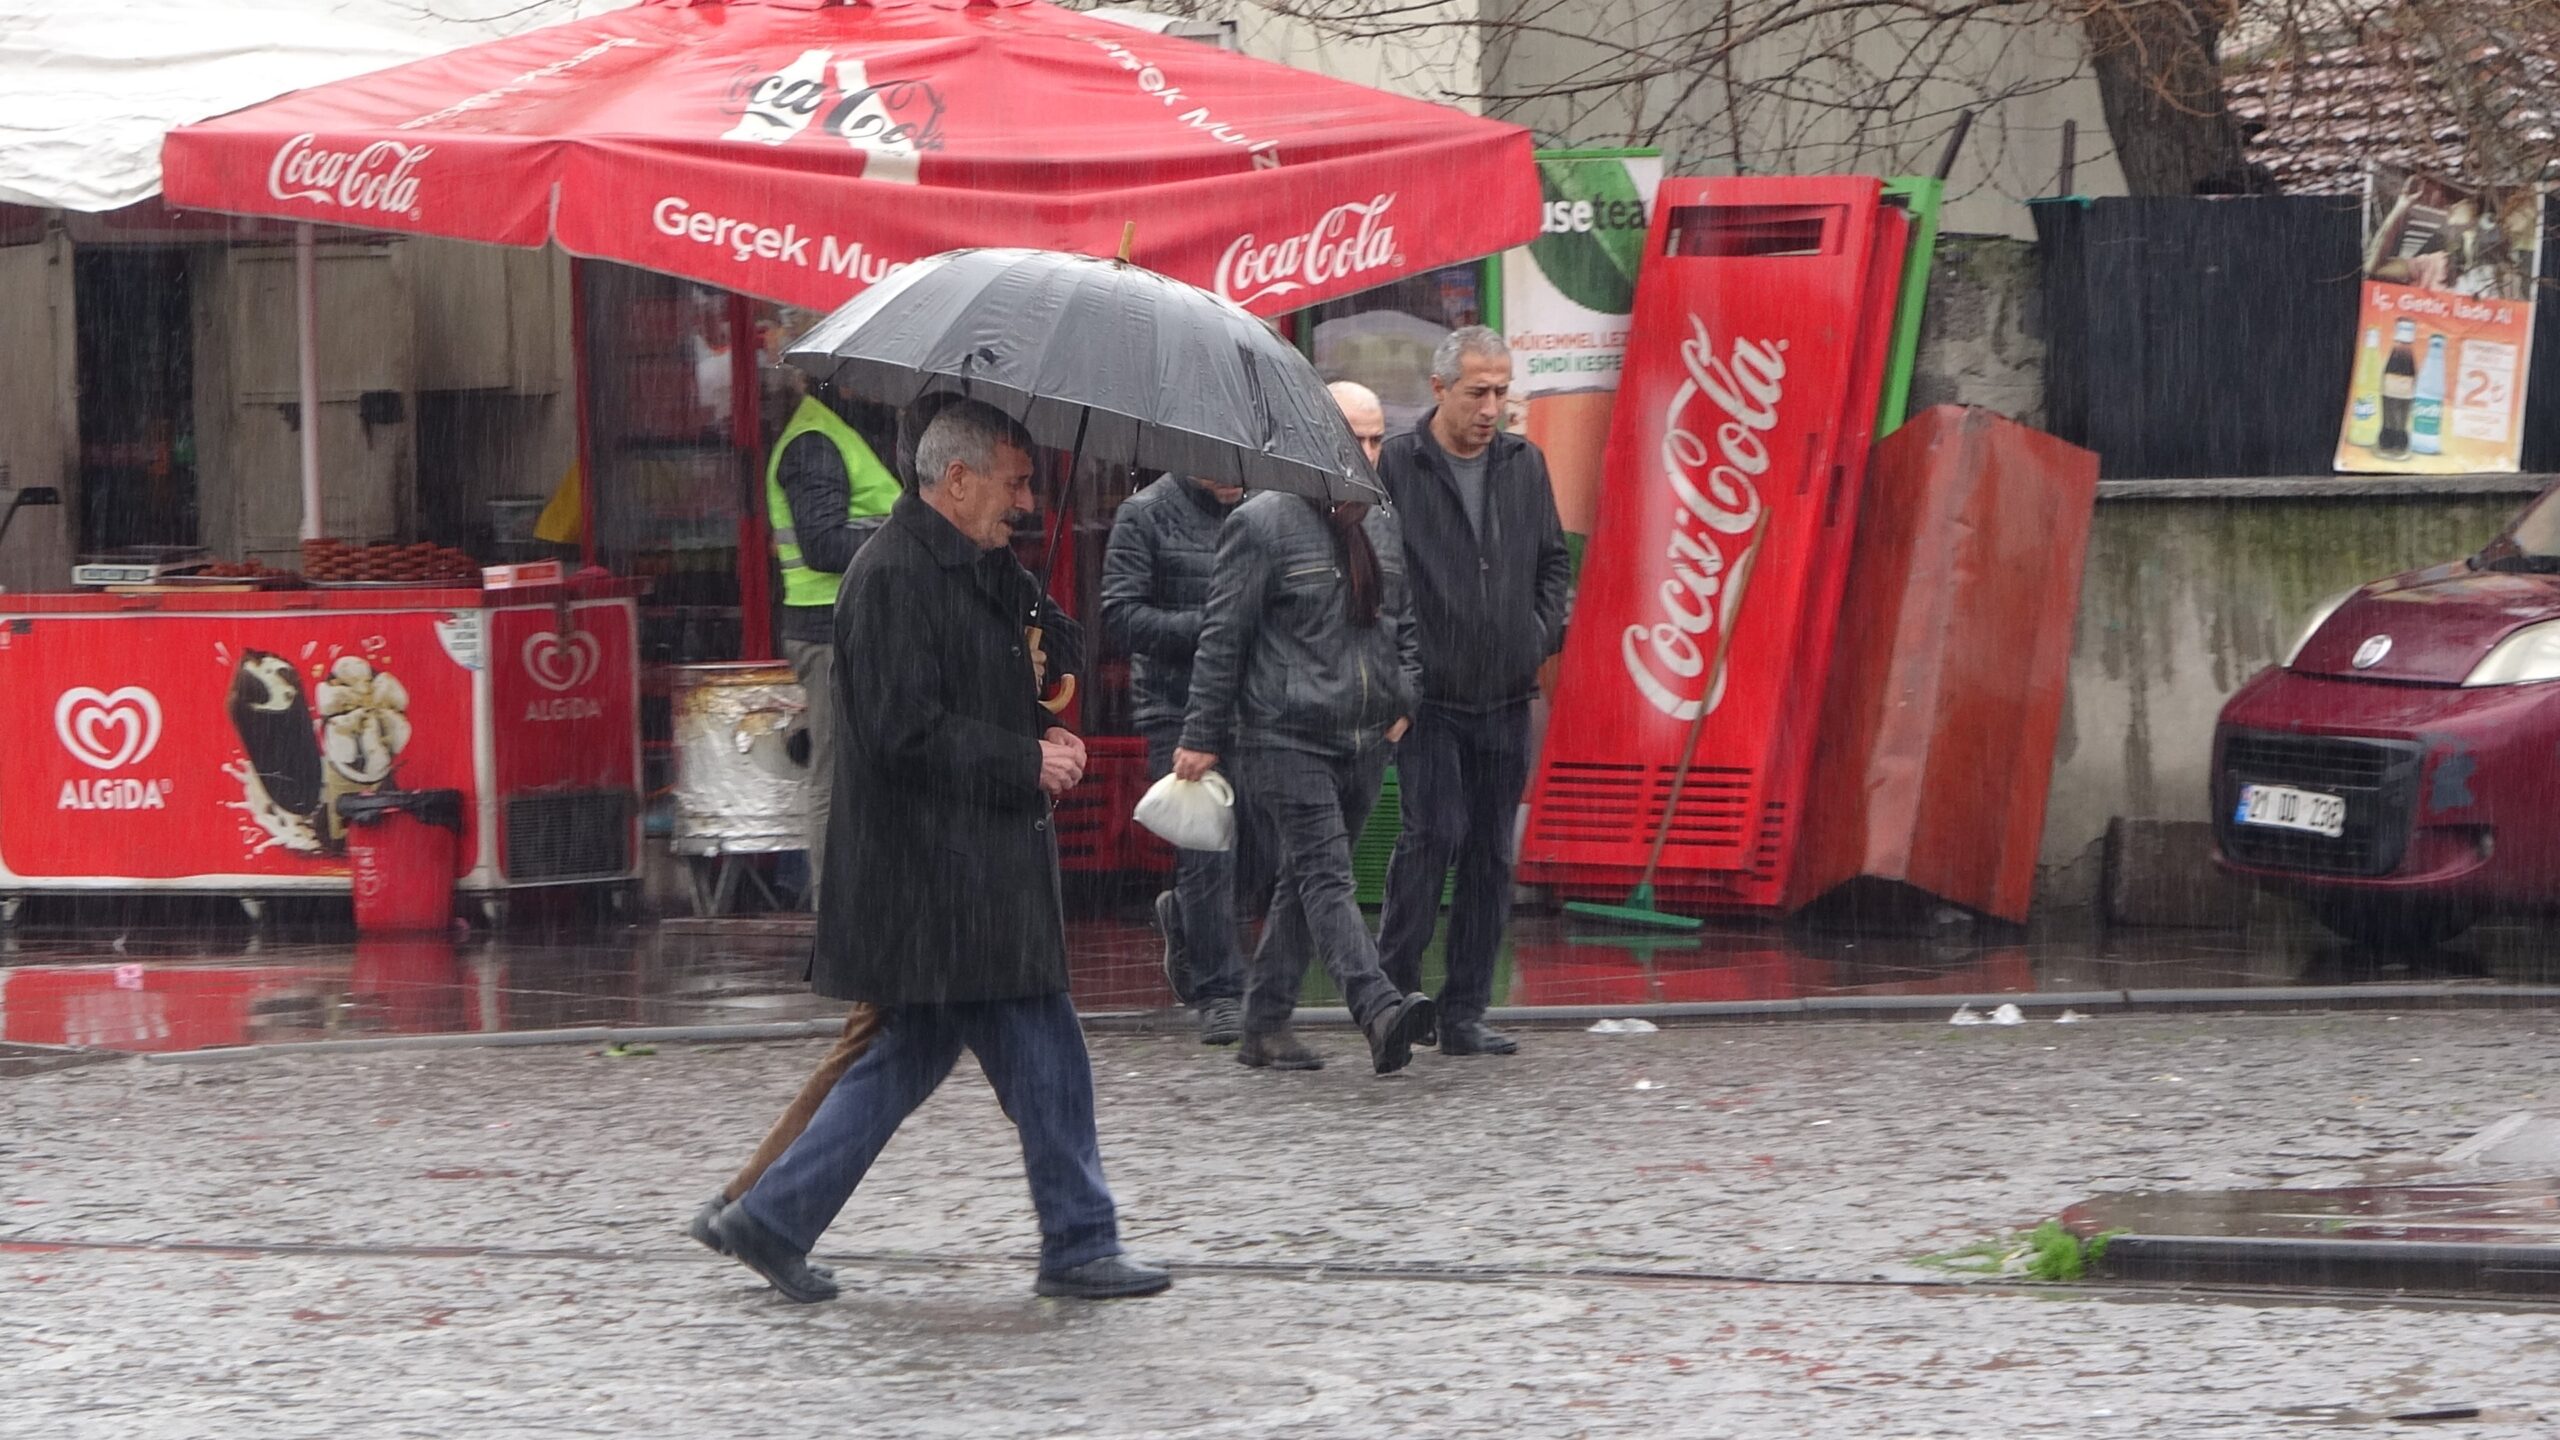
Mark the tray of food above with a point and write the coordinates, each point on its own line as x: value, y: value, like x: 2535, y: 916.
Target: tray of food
x: 386, y: 565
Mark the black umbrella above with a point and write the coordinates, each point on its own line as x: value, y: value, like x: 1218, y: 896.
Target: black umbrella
x: 1100, y: 358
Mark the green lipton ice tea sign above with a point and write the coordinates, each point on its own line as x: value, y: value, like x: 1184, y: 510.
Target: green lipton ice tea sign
x: 1565, y: 301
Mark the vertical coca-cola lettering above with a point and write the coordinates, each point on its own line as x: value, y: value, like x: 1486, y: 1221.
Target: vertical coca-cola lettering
x: 1717, y: 502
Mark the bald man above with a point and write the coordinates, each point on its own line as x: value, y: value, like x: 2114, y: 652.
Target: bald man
x: 1368, y: 419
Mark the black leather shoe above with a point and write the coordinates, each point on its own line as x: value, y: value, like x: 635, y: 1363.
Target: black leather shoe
x: 1277, y: 1050
x: 1474, y: 1037
x: 1392, y: 1031
x: 770, y: 1256
x: 1110, y: 1278
x: 704, y: 1229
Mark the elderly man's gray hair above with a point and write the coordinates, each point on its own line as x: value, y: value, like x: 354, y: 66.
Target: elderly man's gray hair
x: 965, y: 432
x: 1482, y: 341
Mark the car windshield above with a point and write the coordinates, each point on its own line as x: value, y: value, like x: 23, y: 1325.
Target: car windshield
x: 2531, y: 544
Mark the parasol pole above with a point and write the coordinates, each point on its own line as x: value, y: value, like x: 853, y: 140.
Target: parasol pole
x: 306, y: 304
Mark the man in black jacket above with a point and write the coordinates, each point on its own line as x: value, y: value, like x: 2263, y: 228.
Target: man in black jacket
x: 941, y: 905
x: 1489, y: 574
x: 1155, y: 580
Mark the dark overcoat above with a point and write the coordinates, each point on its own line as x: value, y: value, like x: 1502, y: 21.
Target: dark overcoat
x: 941, y: 884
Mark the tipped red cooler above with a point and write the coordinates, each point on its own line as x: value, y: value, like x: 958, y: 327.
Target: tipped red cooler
x: 401, y: 847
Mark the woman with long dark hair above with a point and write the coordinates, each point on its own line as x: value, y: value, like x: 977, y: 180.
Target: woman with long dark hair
x: 1306, y: 672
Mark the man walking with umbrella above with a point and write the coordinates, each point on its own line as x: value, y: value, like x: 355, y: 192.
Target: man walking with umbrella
x: 1490, y: 572
x: 945, y: 772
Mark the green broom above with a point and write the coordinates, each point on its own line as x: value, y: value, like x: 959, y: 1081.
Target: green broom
x: 1639, y: 909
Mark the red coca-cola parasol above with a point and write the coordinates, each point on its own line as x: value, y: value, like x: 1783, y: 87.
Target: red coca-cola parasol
x: 797, y: 151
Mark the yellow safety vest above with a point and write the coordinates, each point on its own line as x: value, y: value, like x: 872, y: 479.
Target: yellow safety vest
x: 873, y: 489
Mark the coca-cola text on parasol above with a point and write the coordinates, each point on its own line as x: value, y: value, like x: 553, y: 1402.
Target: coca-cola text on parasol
x: 795, y: 152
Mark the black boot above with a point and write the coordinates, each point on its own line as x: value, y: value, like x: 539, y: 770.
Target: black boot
x: 1112, y: 1277
x: 1393, y: 1028
x: 1474, y: 1037
x: 771, y: 1256
x: 1277, y: 1049
x: 705, y: 1229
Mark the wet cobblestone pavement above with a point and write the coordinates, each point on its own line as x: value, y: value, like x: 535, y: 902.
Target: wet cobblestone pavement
x: 179, y: 987
x: 1811, y: 1163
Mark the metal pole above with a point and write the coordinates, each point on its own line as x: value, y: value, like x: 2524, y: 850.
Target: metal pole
x: 306, y: 292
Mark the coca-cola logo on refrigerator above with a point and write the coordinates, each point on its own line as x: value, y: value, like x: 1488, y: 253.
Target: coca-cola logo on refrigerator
x: 381, y: 177
x: 1348, y: 240
x: 891, y: 123
x: 1712, y: 459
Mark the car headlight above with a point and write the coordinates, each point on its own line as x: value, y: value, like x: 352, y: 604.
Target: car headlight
x: 2530, y: 654
x: 2319, y: 617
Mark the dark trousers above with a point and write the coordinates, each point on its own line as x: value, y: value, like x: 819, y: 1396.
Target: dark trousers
x: 1034, y: 1056
x: 1310, y: 807
x: 1204, y: 896
x: 1458, y: 777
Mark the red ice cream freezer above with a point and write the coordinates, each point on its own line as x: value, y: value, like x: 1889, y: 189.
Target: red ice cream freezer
x: 200, y: 742
x: 1712, y: 585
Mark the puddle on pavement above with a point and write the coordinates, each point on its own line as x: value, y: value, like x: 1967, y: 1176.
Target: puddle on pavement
x: 200, y: 980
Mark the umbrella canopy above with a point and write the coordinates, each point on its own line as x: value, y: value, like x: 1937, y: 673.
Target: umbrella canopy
x: 1103, y: 358
x: 801, y: 151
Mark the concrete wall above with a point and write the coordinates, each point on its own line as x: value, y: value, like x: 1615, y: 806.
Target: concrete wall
x: 1982, y: 335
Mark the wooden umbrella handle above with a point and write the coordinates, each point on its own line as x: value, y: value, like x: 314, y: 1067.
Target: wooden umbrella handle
x: 1064, y: 693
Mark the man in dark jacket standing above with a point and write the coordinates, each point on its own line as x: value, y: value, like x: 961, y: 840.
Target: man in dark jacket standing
x: 1489, y: 574
x: 1155, y: 581
x: 946, y: 769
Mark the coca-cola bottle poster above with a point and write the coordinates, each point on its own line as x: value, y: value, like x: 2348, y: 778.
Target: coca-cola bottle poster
x: 2445, y: 331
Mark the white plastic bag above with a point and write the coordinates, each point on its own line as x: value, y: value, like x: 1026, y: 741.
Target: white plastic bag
x: 1191, y: 814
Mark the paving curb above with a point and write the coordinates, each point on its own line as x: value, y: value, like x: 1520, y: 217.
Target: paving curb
x: 2432, y: 1267
x: 2040, y: 1009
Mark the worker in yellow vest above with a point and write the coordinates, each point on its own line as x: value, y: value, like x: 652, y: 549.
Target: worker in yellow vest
x: 825, y: 492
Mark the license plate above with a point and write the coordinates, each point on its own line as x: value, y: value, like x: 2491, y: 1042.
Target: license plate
x: 2281, y: 807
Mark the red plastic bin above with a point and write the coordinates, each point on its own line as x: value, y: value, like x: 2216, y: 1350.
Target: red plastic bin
x: 401, y: 847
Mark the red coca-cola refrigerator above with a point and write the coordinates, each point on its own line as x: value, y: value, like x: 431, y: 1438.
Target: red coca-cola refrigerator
x: 1711, y: 588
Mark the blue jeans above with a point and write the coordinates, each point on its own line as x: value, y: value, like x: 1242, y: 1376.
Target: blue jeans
x: 1311, y: 806
x: 1204, y: 896
x: 1458, y: 777
x: 1034, y: 1056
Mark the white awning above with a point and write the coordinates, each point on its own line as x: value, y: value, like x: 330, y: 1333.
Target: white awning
x: 89, y: 87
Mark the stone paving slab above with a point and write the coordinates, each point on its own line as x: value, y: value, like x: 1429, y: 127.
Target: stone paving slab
x: 1833, y: 1154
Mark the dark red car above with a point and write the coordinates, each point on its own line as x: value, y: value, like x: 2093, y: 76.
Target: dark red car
x: 2400, y: 771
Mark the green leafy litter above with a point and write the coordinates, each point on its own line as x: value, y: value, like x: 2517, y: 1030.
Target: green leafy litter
x: 2048, y: 1252
x: 619, y: 1051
